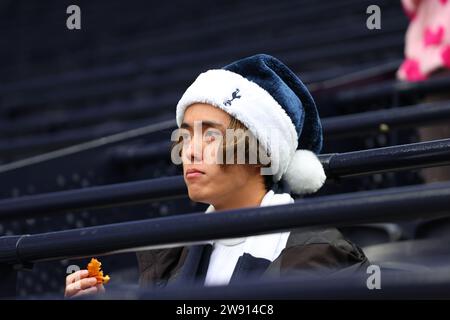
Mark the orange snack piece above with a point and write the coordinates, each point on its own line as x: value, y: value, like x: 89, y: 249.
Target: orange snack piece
x: 94, y: 271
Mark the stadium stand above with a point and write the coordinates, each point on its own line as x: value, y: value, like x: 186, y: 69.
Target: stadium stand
x: 86, y: 117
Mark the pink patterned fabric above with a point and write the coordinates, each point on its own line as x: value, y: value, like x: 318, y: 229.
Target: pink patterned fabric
x: 427, y: 42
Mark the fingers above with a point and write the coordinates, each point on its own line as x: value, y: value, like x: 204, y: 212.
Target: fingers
x: 89, y: 291
x: 80, y: 285
x: 86, y: 292
x: 73, y: 277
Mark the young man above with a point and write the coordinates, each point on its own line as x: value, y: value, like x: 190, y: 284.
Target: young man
x: 260, y: 95
x: 255, y: 99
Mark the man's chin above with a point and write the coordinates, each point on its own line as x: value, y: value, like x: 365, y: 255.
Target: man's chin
x: 197, y: 196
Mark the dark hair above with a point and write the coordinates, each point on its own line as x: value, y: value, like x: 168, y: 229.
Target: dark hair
x: 235, y: 124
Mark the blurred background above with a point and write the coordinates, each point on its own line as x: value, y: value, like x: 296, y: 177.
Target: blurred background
x: 96, y: 106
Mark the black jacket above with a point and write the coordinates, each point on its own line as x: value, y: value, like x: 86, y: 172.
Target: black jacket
x: 308, y: 251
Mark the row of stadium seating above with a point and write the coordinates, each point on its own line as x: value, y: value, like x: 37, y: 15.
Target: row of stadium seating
x: 86, y: 117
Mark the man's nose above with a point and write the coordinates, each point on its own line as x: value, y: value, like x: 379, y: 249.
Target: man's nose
x: 195, y: 150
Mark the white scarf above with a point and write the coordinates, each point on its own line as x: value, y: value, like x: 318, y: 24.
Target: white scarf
x: 226, y: 252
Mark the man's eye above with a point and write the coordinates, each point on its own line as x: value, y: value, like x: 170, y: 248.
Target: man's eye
x: 185, y: 137
x: 211, y: 135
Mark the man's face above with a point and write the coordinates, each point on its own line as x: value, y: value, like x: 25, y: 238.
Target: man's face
x: 206, y: 126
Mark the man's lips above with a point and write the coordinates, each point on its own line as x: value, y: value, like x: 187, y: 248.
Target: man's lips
x: 193, y: 173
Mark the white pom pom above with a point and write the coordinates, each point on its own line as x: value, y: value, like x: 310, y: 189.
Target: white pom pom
x: 305, y: 173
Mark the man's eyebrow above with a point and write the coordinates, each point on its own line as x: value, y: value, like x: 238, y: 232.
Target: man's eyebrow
x: 213, y: 124
x: 185, y: 125
x: 207, y: 123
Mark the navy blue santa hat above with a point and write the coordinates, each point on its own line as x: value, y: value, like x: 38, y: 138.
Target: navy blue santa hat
x: 275, y: 105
